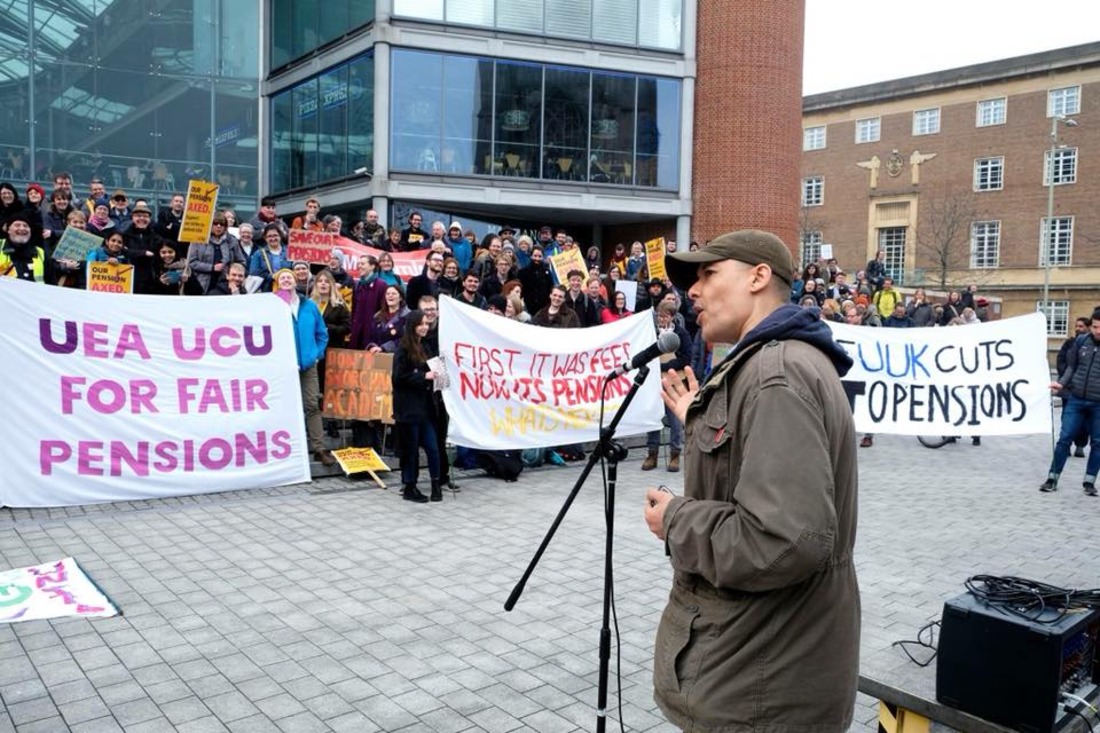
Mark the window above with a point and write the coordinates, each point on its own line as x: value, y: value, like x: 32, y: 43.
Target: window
x: 811, y: 247
x: 1064, y: 101
x: 1065, y: 166
x: 892, y: 241
x: 323, y: 128
x: 647, y: 23
x: 299, y: 27
x: 1058, y: 240
x: 867, y: 131
x: 813, y: 138
x: 1057, y: 313
x: 992, y: 112
x: 478, y: 116
x: 813, y: 191
x: 985, y: 244
x: 989, y: 174
x: 926, y: 121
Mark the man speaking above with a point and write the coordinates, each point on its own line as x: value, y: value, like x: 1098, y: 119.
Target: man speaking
x: 761, y: 630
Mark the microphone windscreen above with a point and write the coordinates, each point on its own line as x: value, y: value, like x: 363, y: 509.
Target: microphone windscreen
x: 668, y: 342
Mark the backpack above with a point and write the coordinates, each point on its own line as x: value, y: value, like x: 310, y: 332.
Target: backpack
x: 502, y: 464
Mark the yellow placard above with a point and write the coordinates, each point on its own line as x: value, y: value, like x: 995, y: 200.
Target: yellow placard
x: 198, y: 212
x: 655, y: 258
x: 358, y: 460
x: 565, y: 262
x: 104, y: 277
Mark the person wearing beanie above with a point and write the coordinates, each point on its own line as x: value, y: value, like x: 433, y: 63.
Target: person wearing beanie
x: 100, y: 222
x: 303, y: 277
x: 36, y: 198
x: 265, y: 216
x: 21, y: 253
x: 10, y: 204
x: 460, y: 246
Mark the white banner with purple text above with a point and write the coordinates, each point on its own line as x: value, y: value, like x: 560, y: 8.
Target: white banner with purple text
x: 129, y: 397
x: 983, y: 379
x: 51, y: 590
x: 516, y: 385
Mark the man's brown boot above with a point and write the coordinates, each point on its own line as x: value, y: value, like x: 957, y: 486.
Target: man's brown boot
x: 650, y: 461
x: 674, y: 462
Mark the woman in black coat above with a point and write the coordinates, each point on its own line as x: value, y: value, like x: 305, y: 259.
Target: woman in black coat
x: 414, y: 408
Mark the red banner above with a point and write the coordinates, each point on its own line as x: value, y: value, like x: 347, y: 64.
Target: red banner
x: 316, y: 249
x: 406, y: 264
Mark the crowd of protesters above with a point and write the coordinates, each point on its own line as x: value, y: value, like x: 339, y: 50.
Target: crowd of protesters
x: 371, y: 308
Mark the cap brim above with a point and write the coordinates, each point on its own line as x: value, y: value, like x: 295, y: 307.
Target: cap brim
x: 683, y: 267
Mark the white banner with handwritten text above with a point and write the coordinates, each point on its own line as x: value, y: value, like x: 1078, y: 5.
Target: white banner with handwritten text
x: 984, y: 379
x: 47, y: 591
x: 516, y: 385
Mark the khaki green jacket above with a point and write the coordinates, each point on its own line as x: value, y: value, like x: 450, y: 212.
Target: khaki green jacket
x: 761, y: 632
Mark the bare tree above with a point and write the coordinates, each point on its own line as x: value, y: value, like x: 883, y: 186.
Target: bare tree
x: 808, y: 223
x: 943, y: 237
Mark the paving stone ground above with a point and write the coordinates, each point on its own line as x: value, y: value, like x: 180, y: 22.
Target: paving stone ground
x: 334, y: 606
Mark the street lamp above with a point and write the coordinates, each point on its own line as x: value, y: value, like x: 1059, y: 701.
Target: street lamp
x: 1045, y: 245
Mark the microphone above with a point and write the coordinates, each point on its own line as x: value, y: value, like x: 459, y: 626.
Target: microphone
x: 667, y: 342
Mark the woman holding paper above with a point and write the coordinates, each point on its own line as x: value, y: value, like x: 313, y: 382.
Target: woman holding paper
x: 70, y: 272
x: 616, y: 310
x: 414, y: 409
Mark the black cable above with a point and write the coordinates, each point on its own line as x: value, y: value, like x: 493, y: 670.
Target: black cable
x: 1030, y: 599
x: 1080, y: 715
x: 611, y: 590
x: 930, y: 629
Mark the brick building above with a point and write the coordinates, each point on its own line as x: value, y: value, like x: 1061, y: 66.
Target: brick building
x: 947, y: 172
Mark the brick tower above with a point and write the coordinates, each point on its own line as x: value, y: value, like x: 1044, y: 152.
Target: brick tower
x: 748, y: 117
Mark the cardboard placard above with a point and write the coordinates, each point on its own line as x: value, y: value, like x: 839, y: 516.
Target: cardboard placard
x: 104, y: 277
x: 567, y: 261
x: 358, y: 385
x: 361, y: 460
x: 655, y: 258
x: 76, y: 244
x: 198, y: 211
x: 312, y: 247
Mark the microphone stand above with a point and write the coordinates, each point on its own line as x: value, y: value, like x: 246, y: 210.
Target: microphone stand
x: 614, y: 452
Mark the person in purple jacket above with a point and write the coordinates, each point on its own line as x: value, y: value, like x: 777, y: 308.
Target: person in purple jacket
x: 367, y: 299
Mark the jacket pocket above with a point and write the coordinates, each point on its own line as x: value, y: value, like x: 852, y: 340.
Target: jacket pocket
x: 710, y: 438
x: 672, y: 647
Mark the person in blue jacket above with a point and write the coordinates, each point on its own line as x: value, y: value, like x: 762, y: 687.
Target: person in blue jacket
x: 310, y: 341
x: 460, y: 247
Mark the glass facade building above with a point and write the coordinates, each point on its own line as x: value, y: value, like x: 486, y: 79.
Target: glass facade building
x: 322, y: 129
x: 653, y: 24
x: 494, y: 117
x: 402, y: 104
x: 301, y: 27
x: 143, y: 94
